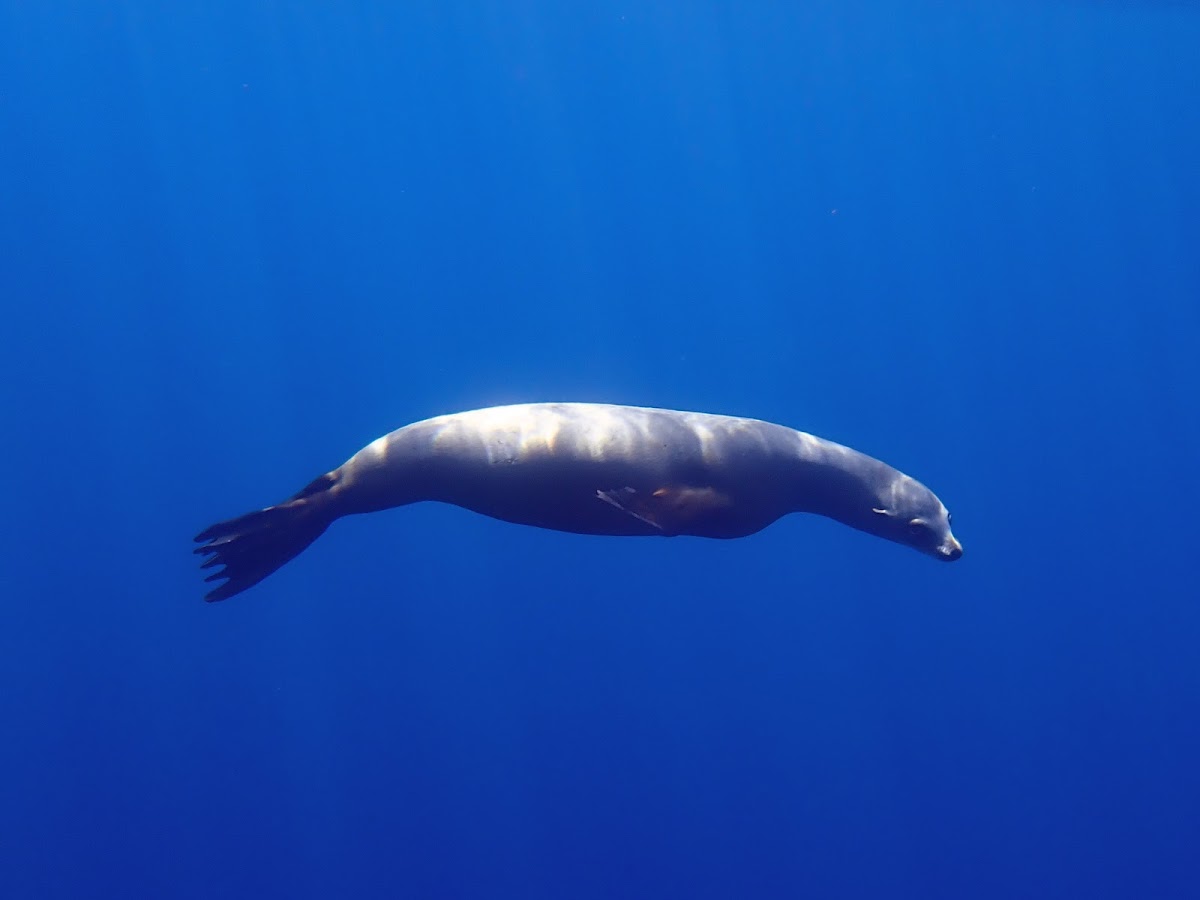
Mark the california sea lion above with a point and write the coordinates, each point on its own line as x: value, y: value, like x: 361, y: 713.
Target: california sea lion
x: 592, y: 469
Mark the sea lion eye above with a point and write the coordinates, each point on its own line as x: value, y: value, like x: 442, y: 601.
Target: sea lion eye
x: 916, y: 527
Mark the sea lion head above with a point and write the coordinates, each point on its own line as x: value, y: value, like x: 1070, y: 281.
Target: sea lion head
x: 911, y: 514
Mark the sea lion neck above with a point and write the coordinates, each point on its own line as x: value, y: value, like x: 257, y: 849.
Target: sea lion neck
x: 829, y: 479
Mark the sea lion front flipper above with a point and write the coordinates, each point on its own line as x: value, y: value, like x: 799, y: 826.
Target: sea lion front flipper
x: 671, y: 509
x: 627, y: 500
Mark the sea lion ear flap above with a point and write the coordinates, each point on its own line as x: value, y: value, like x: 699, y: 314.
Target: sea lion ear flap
x: 882, y: 512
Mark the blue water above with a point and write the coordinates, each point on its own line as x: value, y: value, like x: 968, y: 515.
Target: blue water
x: 240, y: 240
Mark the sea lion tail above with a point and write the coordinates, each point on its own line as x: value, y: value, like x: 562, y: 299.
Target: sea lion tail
x: 252, y: 546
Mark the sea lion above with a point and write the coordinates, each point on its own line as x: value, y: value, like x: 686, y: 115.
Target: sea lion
x: 592, y: 469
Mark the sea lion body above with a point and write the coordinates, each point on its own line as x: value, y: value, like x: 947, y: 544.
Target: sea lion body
x: 594, y: 469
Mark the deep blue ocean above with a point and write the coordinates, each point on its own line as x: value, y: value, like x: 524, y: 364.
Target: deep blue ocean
x: 238, y: 241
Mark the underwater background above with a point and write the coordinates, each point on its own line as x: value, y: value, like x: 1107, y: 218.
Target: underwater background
x: 241, y: 240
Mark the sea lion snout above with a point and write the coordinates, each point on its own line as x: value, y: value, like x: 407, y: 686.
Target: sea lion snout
x: 951, y: 550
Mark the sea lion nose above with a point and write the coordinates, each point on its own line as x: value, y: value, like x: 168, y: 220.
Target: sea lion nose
x: 951, y: 550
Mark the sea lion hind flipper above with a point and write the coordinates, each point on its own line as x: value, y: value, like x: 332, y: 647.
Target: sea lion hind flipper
x: 317, y: 486
x: 253, y: 546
